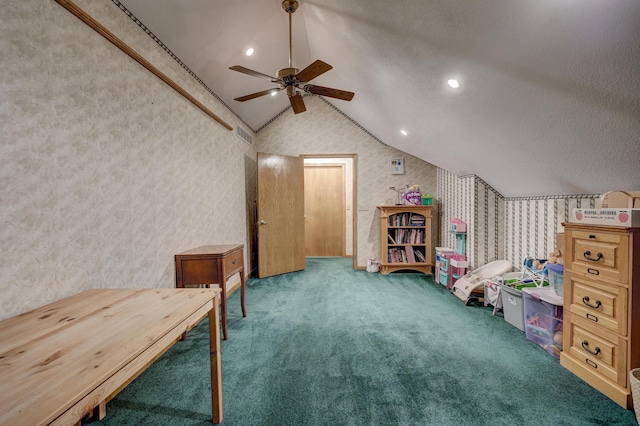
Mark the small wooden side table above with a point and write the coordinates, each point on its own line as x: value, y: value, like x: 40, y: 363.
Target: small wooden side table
x: 213, y: 265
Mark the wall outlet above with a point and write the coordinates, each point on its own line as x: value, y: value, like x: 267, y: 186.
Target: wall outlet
x: 363, y: 207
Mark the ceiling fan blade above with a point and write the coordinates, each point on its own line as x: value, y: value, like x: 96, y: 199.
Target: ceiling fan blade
x: 329, y: 92
x: 312, y: 71
x: 297, y: 104
x: 253, y: 73
x: 257, y: 94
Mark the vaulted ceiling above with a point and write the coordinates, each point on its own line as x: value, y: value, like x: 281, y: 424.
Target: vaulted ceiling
x: 549, y: 96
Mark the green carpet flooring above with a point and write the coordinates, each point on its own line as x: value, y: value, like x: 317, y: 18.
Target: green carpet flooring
x: 334, y: 346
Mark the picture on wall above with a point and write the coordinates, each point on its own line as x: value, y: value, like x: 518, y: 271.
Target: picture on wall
x: 397, y: 166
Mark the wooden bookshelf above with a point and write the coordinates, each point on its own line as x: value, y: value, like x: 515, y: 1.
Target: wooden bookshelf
x: 405, y: 239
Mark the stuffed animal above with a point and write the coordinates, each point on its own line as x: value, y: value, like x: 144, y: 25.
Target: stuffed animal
x: 557, y: 338
x: 554, y: 257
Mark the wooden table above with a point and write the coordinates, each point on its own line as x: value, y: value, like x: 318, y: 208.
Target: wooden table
x: 65, y: 360
x: 212, y: 265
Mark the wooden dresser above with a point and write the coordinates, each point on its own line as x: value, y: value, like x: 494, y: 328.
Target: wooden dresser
x: 601, y: 341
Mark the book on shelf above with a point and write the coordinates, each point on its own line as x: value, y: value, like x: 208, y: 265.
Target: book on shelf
x: 392, y: 258
x: 407, y: 219
x: 397, y: 255
x: 410, y: 256
x: 417, y: 220
x: 407, y: 254
x: 406, y: 236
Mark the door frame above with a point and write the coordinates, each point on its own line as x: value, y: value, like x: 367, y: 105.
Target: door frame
x: 354, y: 195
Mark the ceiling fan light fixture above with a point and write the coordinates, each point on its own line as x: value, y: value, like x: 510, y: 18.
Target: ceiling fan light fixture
x: 249, y: 51
x: 453, y: 83
x: 292, y: 79
x: 403, y: 132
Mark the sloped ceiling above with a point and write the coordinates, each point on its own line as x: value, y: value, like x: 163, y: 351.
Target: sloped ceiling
x: 549, y: 96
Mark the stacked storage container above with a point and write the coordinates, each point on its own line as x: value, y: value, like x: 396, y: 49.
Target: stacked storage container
x: 512, y: 300
x: 543, y: 318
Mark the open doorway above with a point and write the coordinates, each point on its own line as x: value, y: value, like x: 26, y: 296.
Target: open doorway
x: 347, y: 163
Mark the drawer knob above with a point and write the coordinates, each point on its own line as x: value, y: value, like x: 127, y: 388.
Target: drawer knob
x: 585, y: 346
x: 593, y: 237
x: 593, y: 271
x: 233, y: 262
x: 586, y: 300
x: 587, y: 255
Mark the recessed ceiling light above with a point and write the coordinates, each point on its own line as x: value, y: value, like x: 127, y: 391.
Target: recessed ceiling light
x: 249, y: 51
x: 453, y: 83
x: 404, y: 132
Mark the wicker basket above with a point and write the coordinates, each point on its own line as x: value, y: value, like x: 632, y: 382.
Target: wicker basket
x: 634, y: 377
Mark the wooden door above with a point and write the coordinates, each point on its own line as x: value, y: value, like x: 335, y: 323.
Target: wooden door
x: 280, y: 214
x: 324, y: 209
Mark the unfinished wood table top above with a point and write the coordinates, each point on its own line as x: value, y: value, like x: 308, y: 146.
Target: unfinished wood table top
x: 60, y: 361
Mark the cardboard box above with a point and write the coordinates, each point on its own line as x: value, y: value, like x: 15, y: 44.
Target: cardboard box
x: 560, y: 244
x: 620, y: 200
x: 613, y: 217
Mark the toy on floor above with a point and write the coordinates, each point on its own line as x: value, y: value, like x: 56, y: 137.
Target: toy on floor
x: 468, y: 287
x: 533, y: 270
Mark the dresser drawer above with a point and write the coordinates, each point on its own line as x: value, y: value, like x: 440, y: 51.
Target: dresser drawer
x: 599, y: 354
x: 233, y: 262
x: 602, y: 304
x: 599, y: 254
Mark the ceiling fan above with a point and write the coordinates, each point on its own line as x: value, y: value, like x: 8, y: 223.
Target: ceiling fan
x: 293, y: 80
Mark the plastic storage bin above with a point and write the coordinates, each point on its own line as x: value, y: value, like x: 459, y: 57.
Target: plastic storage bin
x: 556, y: 278
x: 512, y: 306
x: 510, y: 277
x: 543, y: 318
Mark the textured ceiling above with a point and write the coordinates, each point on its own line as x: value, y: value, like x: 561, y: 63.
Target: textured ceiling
x: 549, y: 101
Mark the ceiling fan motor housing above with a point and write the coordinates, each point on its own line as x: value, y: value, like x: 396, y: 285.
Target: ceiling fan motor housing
x: 290, y: 6
x: 287, y: 72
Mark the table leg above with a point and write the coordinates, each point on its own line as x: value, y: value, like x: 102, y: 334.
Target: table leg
x: 243, y: 288
x: 215, y: 360
x: 223, y: 308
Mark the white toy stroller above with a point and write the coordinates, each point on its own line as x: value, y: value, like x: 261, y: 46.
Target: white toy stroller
x: 474, y: 280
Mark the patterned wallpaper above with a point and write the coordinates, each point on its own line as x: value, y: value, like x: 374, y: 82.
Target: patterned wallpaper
x: 106, y: 172
x: 323, y: 129
x: 472, y: 200
x: 503, y: 228
x: 531, y: 223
